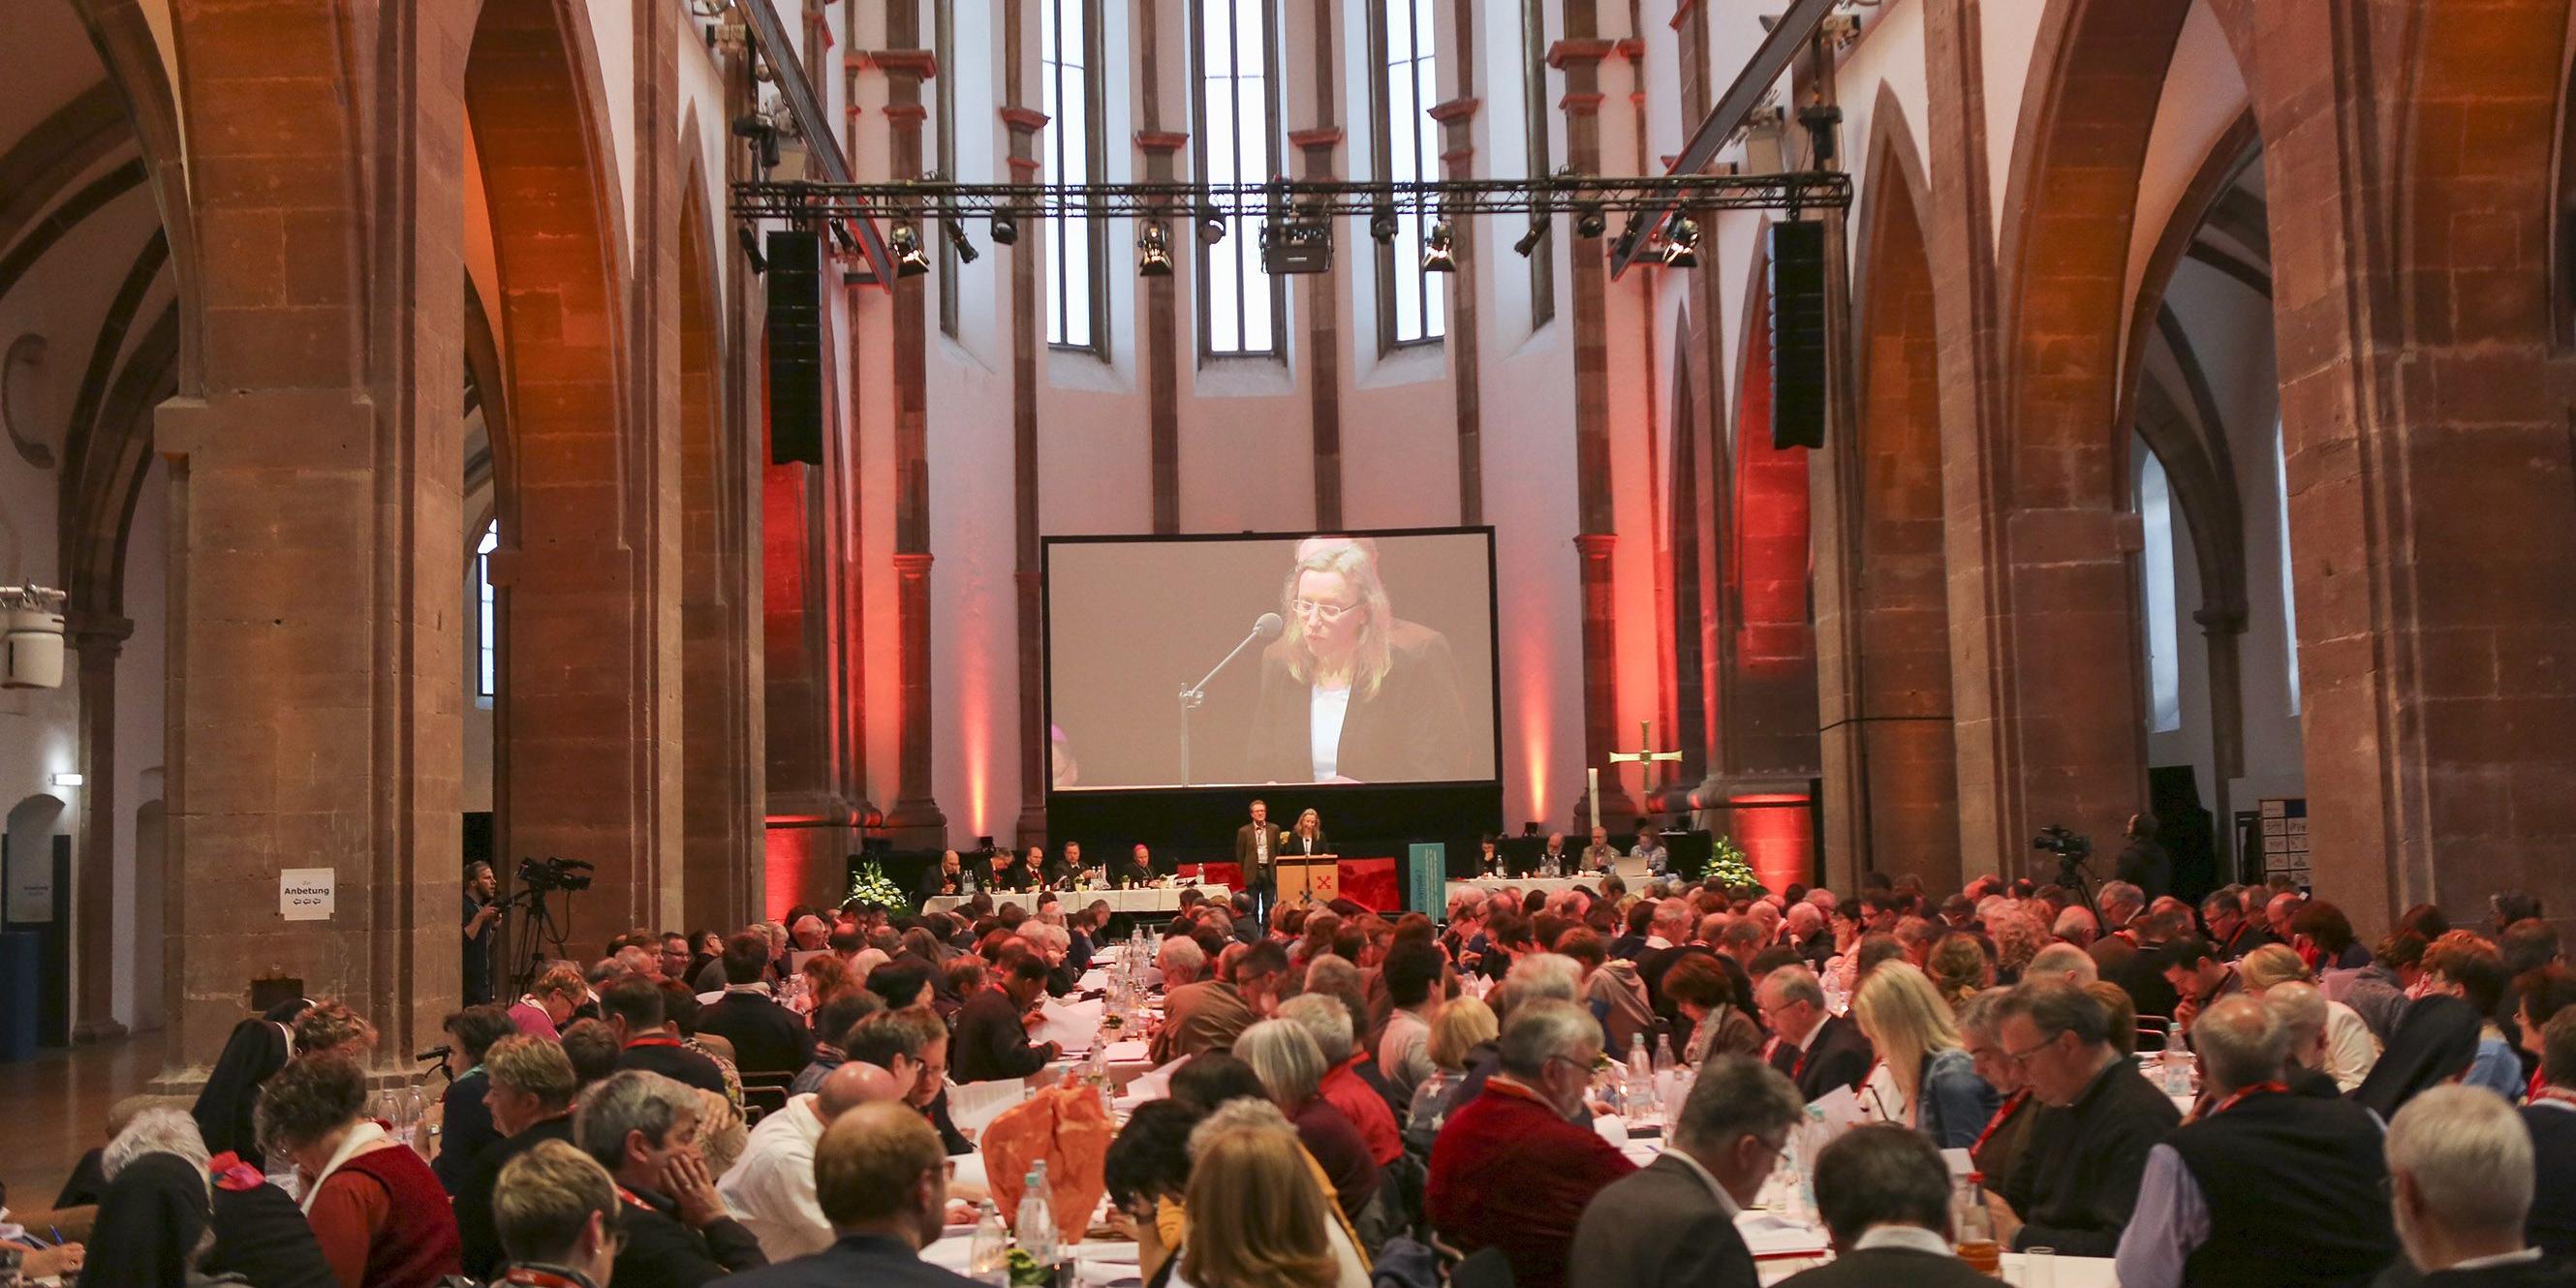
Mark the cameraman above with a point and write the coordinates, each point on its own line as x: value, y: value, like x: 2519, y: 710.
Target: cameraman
x: 2143, y: 863
x: 482, y: 912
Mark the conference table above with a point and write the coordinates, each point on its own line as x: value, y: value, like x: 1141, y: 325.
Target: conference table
x: 1150, y: 900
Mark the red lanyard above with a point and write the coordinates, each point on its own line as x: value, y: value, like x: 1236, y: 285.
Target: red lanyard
x: 530, y: 1277
x: 2011, y: 1103
x: 2560, y: 1095
x: 2231, y: 1102
x: 628, y: 1197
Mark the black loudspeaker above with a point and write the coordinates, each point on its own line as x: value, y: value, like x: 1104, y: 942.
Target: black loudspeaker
x: 1797, y: 334
x: 795, y: 346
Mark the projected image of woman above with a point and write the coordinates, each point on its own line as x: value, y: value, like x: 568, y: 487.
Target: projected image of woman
x: 1351, y: 693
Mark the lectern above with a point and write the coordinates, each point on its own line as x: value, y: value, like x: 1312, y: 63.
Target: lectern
x: 1311, y: 878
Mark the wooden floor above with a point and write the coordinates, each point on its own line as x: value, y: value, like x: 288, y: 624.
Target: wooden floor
x: 57, y: 1111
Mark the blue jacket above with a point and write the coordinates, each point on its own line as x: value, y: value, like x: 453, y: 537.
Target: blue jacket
x: 1955, y: 1103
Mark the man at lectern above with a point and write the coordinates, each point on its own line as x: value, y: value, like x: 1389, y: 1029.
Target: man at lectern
x: 1256, y: 847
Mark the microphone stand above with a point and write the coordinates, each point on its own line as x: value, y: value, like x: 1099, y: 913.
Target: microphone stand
x: 1196, y: 694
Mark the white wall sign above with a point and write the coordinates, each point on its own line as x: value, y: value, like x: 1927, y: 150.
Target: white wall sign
x: 306, y: 894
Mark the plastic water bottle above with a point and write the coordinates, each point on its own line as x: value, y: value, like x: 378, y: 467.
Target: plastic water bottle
x: 1641, y: 1079
x: 1037, y: 1223
x: 989, y: 1256
x: 1663, y: 1052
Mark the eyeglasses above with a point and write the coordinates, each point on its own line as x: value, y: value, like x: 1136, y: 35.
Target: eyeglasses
x: 2023, y: 1058
x: 1325, y: 613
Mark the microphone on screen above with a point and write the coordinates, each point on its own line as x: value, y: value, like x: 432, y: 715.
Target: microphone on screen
x: 1269, y: 627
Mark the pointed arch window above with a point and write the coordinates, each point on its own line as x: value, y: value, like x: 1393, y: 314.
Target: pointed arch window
x: 1413, y: 306
x: 2289, y: 601
x: 1235, y: 102
x: 486, y: 619
x: 1073, y: 149
x: 2156, y: 571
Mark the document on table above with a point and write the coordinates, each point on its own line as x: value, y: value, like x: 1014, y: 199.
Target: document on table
x: 1766, y: 1234
x: 1073, y: 1026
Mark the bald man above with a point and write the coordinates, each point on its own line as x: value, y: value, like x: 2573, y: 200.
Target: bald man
x: 770, y: 1189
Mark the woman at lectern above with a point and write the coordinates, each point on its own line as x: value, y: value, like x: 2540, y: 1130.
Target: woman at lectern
x: 1350, y: 693
x: 1307, y: 837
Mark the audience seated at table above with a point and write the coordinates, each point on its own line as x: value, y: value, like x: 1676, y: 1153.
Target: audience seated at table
x: 881, y: 1182
x: 1725, y: 1144
x: 2090, y: 1145
x: 673, y: 1229
x: 992, y: 1035
x: 1514, y: 1167
x: 2263, y: 1184
x: 1924, y: 1077
x: 1378, y: 1076
x: 1884, y: 1195
x: 1209, y: 1014
x: 770, y: 1187
x: 531, y: 1101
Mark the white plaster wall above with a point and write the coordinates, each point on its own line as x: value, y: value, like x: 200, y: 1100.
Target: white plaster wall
x: 2203, y: 96
x: 2009, y: 41
x: 612, y: 32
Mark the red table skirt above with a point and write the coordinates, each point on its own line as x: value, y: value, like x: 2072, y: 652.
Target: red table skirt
x: 1370, y: 883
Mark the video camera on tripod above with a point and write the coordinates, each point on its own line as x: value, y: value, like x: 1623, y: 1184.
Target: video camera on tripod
x: 2071, y: 849
x: 569, y: 875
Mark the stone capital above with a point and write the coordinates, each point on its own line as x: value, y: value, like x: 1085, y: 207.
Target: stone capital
x: 1455, y: 110
x: 1579, y: 51
x: 1024, y: 120
x: 1162, y: 140
x: 922, y: 64
x: 1322, y: 136
x: 1581, y: 104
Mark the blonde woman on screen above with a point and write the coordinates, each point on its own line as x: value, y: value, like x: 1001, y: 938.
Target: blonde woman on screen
x: 1349, y: 692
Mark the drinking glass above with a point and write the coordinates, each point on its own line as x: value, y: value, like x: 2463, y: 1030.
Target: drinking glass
x: 2039, y: 1268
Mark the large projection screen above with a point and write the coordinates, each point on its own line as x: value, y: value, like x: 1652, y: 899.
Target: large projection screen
x: 1393, y: 649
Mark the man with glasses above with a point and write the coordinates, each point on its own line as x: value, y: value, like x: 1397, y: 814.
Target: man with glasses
x: 1515, y: 1167
x: 1816, y: 1048
x: 1726, y: 1143
x: 2090, y: 1145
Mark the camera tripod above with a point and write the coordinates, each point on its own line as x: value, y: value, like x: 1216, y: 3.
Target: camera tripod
x: 535, y: 933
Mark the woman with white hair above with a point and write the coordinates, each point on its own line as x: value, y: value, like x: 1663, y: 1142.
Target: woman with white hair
x: 169, y: 1212
x: 1924, y: 1078
x: 1351, y: 693
x: 1291, y: 1068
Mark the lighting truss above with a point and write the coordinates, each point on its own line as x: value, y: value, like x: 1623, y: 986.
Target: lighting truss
x: 1290, y: 198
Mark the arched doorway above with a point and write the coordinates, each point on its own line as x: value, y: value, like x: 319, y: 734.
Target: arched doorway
x: 585, y: 711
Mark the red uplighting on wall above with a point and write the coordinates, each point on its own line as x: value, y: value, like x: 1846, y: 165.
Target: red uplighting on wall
x: 1773, y: 829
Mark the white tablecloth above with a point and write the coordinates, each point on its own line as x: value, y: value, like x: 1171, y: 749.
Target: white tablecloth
x: 1156, y: 899
x: 1488, y: 885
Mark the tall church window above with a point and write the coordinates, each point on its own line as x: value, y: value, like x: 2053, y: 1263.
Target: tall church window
x: 943, y: 38
x: 485, y: 630
x: 1073, y: 149
x: 2156, y: 569
x: 1412, y: 306
x: 2289, y: 601
x: 1235, y: 100
x: 1535, y: 113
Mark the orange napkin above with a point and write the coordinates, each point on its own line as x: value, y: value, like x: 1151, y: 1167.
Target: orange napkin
x: 1069, y: 1128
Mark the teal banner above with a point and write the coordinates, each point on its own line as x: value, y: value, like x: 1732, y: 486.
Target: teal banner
x: 1427, y: 879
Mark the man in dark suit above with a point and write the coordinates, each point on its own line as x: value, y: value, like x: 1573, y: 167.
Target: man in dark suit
x: 1816, y: 1048
x: 637, y: 1011
x: 1885, y: 1197
x: 1256, y: 846
x: 1726, y: 1143
x: 992, y: 1039
x: 2460, y: 1183
x: 766, y: 1037
x: 675, y: 1231
x: 2079, y: 1186
x: 1137, y: 869
x: 881, y: 1180
x: 949, y: 878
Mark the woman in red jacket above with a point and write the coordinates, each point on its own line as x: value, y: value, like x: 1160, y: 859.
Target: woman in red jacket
x: 375, y: 1207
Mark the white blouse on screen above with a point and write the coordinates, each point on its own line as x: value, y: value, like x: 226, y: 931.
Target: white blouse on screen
x: 1324, y: 715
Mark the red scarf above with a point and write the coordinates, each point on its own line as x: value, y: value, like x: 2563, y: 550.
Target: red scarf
x: 230, y: 1173
x: 2241, y: 1095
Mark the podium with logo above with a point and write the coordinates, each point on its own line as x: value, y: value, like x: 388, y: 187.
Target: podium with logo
x: 1310, y: 878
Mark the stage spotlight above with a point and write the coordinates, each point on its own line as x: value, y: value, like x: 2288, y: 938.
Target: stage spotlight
x: 751, y: 249
x: 1382, y: 224
x: 957, y: 241
x: 1529, y: 240
x: 1006, y: 228
x: 1211, y: 226
x: 1530, y: 828
x: 1436, y: 255
x: 1681, y: 244
x: 841, y: 236
x: 908, y: 259
x: 1589, y: 222
x: 1154, y: 252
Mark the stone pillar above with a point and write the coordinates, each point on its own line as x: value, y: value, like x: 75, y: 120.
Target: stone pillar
x: 98, y: 638
x: 1323, y: 309
x: 1578, y: 57
x: 316, y: 522
x: 916, y: 820
x: 2424, y: 392
x: 1028, y: 309
x: 1457, y: 118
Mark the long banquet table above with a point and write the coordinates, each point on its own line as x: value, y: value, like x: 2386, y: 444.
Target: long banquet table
x: 1151, y: 899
